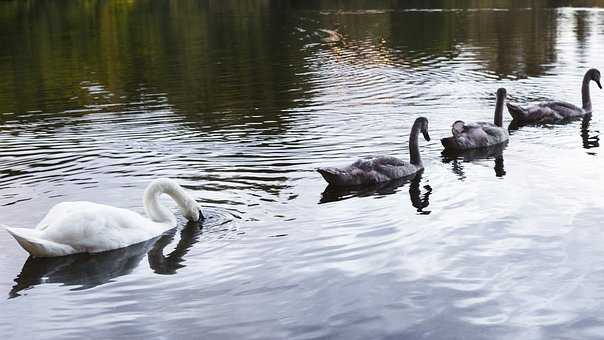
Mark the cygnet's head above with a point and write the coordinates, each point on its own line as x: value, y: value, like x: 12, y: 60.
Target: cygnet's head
x: 423, y: 121
x: 595, y: 76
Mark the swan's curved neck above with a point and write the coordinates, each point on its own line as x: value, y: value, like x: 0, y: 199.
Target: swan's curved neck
x: 159, y: 213
x: 585, y: 92
x: 499, y: 110
x: 413, y: 144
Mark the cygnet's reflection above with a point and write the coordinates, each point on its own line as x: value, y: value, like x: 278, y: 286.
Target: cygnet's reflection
x: 418, y: 201
x: 90, y: 270
x: 458, y: 158
x: 591, y: 138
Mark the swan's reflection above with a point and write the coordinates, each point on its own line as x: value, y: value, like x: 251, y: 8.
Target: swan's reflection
x: 169, y: 264
x: 90, y: 270
x: 458, y: 158
x: 418, y: 201
x: 591, y: 139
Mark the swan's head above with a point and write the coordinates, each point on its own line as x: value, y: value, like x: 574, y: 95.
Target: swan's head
x: 501, y: 92
x: 595, y: 76
x: 423, y: 121
x: 193, y: 212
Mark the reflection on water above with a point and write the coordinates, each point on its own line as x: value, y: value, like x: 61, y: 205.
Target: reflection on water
x: 418, y: 201
x: 82, y: 270
x: 591, y: 138
x: 170, y: 263
x: 107, y: 51
x: 90, y: 270
x: 240, y: 101
x: 456, y: 158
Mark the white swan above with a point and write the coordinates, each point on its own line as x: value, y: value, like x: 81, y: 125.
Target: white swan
x: 86, y: 227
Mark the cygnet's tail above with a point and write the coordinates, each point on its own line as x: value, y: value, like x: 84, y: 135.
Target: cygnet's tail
x: 517, y: 112
x: 329, y: 174
x: 449, y: 143
x: 30, y: 240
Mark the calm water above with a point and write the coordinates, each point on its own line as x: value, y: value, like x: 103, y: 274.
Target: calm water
x: 241, y: 101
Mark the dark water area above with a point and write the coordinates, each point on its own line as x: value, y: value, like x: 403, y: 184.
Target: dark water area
x: 240, y: 101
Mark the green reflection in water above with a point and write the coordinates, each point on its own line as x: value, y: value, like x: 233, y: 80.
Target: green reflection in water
x: 234, y: 58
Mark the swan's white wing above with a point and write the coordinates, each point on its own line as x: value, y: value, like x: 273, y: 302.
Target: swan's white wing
x: 29, y: 239
x: 91, y: 227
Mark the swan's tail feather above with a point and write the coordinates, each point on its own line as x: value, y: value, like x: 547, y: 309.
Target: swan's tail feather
x: 30, y: 240
x: 329, y: 174
x: 517, y: 112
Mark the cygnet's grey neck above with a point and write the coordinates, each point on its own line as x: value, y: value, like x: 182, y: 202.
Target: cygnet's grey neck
x: 413, y: 143
x: 585, y: 96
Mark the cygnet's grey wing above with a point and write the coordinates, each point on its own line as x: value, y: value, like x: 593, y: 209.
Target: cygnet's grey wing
x: 363, y: 164
x: 389, y: 161
x: 564, y: 109
x: 473, y: 136
x: 543, y: 113
x: 495, y: 133
x: 358, y: 173
x: 393, y: 167
x: 477, y: 135
x: 362, y: 171
x: 558, y: 104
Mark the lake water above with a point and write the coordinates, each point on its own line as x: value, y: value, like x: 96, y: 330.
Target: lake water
x: 240, y: 101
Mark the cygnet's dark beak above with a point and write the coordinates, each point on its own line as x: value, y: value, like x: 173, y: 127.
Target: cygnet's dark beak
x: 426, y: 135
x: 201, y: 217
x: 598, y: 82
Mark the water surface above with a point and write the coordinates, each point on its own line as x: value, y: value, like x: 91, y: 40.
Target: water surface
x: 240, y: 102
